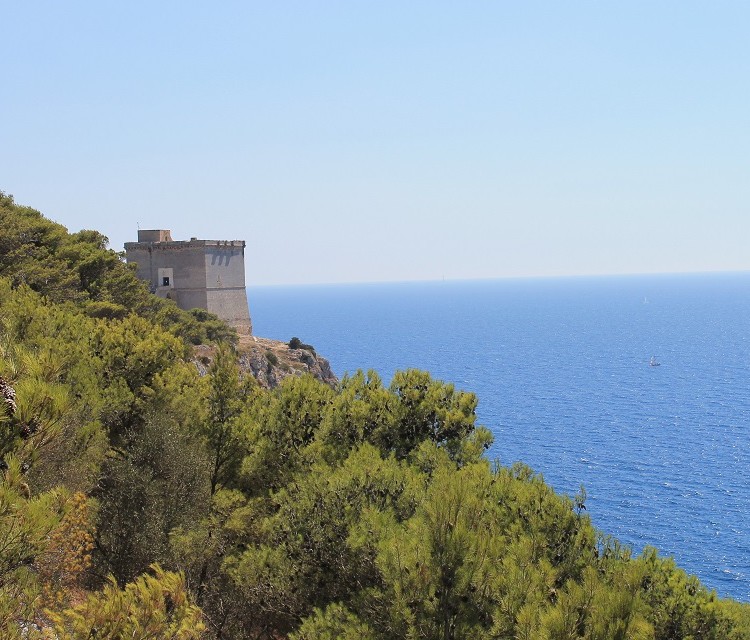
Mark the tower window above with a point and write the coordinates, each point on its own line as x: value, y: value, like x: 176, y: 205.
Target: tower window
x: 165, y: 281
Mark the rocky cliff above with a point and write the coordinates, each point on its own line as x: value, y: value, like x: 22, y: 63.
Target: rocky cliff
x: 270, y: 361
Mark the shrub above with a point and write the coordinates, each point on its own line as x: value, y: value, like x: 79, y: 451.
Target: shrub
x: 296, y: 343
x: 104, y: 309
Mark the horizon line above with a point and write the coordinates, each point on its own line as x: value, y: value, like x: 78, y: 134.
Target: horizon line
x: 574, y: 276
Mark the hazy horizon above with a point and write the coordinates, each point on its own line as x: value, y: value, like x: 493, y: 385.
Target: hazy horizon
x: 572, y: 276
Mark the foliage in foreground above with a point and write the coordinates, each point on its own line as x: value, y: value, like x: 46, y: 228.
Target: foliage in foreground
x: 138, y: 499
x: 154, y: 606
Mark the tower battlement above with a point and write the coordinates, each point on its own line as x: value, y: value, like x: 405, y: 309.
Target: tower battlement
x: 202, y: 274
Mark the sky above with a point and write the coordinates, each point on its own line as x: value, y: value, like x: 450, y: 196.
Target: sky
x: 361, y: 141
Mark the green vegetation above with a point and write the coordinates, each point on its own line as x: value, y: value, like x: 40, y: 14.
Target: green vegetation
x: 296, y: 343
x: 78, y: 268
x: 140, y: 500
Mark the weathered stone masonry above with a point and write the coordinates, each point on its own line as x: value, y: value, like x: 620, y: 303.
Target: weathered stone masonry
x: 203, y: 274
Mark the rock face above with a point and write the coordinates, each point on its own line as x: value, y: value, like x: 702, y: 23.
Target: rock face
x: 270, y: 361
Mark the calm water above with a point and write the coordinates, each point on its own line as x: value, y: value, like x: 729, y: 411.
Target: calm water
x: 561, y: 369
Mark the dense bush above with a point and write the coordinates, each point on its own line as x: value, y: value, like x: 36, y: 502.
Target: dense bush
x: 296, y: 343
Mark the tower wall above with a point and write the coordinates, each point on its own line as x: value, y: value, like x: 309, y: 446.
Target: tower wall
x: 203, y: 274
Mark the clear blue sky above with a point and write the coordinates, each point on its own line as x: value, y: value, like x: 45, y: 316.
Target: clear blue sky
x: 367, y: 141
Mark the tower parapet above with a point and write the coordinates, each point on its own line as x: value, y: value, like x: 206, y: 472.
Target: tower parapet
x: 202, y: 274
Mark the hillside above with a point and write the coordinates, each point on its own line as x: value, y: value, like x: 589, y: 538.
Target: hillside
x: 161, y: 479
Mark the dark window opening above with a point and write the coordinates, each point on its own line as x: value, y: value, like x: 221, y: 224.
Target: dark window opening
x: 165, y: 281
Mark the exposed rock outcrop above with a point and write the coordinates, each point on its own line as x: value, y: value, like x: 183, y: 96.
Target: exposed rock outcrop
x: 270, y: 361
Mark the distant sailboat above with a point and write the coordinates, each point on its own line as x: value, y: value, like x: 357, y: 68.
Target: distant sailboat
x: 654, y: 362
x: 645, y: 300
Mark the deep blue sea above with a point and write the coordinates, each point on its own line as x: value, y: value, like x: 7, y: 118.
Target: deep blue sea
x: 561, y: 369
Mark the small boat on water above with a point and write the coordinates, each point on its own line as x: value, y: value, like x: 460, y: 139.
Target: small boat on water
x: 654, y: 362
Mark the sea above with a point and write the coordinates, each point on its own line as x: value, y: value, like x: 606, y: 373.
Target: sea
x: 634, y: 387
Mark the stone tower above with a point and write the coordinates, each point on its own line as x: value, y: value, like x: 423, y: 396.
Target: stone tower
x: 203, y: 274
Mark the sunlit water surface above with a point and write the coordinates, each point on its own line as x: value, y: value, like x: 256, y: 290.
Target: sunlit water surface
x: 562, y: 371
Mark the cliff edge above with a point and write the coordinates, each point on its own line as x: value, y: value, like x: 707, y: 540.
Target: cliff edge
x: 270, y: 361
